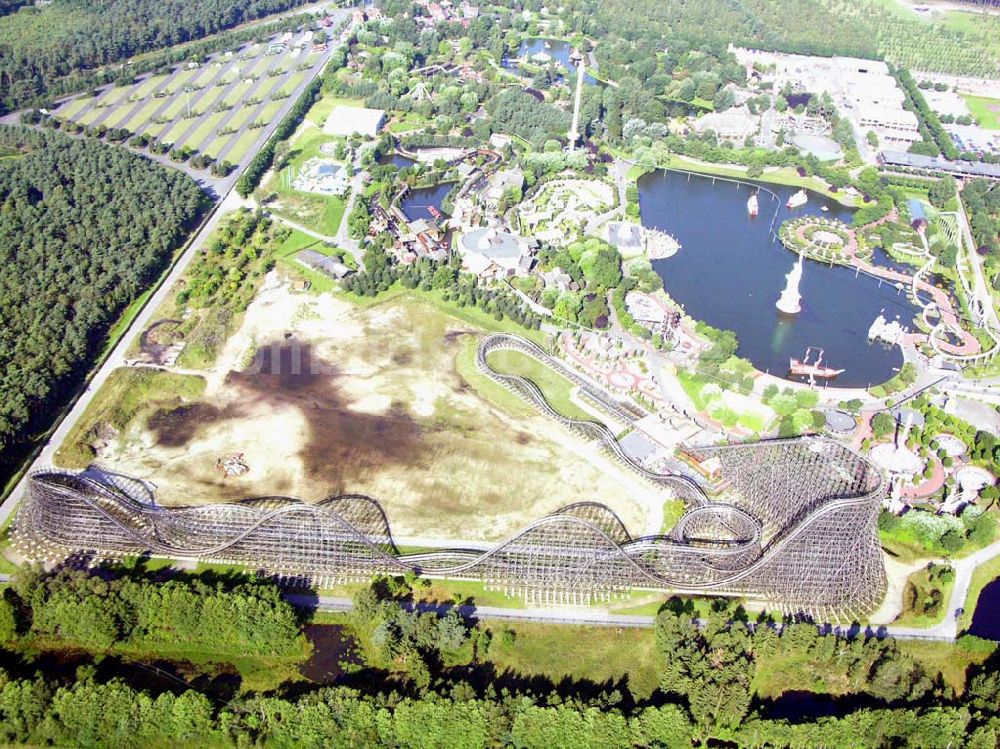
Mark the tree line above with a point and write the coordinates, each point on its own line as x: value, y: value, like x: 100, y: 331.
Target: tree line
x: 415, y: 682
x: 78, y: 608
x: 40, y: 46
x: 84, y: 229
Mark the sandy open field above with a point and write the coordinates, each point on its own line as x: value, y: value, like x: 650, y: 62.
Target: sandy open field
x: 322, y: 397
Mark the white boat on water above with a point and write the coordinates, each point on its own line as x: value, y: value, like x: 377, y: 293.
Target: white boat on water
x: 752, y: 207
x: 798, y: 199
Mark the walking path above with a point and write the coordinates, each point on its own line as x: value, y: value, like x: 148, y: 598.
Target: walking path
x: 350, y: 245
x: 604, y: 618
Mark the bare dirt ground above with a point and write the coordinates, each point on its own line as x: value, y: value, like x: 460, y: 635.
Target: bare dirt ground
x: 322, y: 398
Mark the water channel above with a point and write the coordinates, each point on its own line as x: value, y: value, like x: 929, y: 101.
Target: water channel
x: 986, y: 617
x: 730, y: 271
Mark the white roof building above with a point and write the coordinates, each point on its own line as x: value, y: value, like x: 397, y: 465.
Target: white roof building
x: 350, y: 120
x: 734, y: 124
x: 491, y: 253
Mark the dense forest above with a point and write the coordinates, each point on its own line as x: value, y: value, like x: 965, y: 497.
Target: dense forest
x: 84, y: 229
x: 859, y: 28
x: 39, y: 46
x: 423, y: 677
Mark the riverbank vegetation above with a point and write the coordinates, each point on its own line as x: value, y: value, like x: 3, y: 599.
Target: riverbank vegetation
x: 412, y: 676
x: 86, y: 229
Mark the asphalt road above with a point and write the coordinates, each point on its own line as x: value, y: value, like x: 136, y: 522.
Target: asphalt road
x: 592, y: 617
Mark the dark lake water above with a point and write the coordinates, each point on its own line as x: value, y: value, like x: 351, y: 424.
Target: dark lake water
x: 730, y: 272
x: 986, y: 618
x: 331, y: 650
x: 558, y: 50
x: 397, y: 160
x: 417, y: 201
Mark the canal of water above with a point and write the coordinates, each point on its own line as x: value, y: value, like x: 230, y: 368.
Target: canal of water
x: 986, y: 617
x: 730, y: 271
x: 397, y: 160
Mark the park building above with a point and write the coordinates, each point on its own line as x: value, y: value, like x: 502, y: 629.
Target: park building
x: 864, y: 90
x: 493, y: 254
x: 733, y: 126
x: 347, y: 121
x: 330, y: 266
x: 898, y: 128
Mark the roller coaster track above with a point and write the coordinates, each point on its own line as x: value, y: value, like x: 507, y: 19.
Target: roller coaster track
x: 703, y: 554
x: 817, y: 552
x: 685, y: 486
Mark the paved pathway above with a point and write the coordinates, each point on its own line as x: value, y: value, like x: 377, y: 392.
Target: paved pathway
x: 598, y: 617
x: 350, y: 245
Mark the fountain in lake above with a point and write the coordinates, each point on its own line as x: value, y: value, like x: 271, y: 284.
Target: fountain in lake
x: 790, y: 301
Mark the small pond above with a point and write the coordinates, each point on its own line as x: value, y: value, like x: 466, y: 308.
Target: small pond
x: 557, y: 49
x: 397, y: 160
x: 331, y: 650
x: 419, y: 200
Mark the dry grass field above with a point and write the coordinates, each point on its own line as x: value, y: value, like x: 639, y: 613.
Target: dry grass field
x: 322, y: 397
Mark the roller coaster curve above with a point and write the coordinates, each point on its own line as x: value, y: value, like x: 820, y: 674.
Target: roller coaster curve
x: 800, y: 534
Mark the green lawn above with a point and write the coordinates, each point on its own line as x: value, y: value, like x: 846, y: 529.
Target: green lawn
x: 90, y: 116
x: 242, y: 115
x: 72, y: 108
x: 986, y: 111
x: 236, y: 94
x: 319, y: 111
x: 143, y: 114
x: 293, y: 82
x: 407, y: 122
x: 127, y: 394
x: 175, y: 130
x: 320, y: 213
x: 243, y: 144
x: 150, y: 86
x: 210, y: 98
x: 181, y: 80
x: 598, y: 654
x: 948, y: 660
x: 257, y: 68
x: 557, y: 389
x: 205, y: 131
x: 673, y: 510
x: 118, y: 117
x: 205, y: 76
x: 217, y: 144
x: 154, y: 128
x: 270, y: 111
